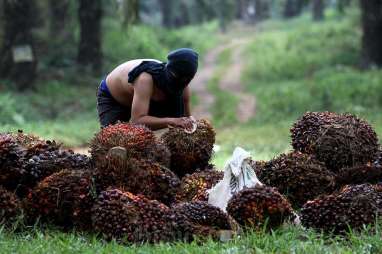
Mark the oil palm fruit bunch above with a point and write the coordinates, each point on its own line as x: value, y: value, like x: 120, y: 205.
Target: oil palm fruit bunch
x: 11, y: 158
x: 190, y: 151
x: 259, y: 207
x: 138, y: 140
x: 202, y: 213
x: 10, y: 208
x: 64, y: 198
x: 300, y: 177
x: 350, y: 208
x: 337, y: 140
x: 194, y: 187
x: 370, y: 173
x: 139, y: 177
x: 129, y: 218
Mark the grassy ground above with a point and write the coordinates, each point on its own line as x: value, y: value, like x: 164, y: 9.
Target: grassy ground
x: 292, y: 67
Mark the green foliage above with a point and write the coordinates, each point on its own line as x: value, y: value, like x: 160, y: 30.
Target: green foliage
x: 152, y: 42
x: 306, y: 66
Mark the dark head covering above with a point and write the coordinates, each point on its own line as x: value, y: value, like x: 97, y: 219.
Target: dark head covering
x: 171, y: 77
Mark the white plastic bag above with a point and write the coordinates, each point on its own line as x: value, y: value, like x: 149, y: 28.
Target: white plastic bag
x: 238, y: 174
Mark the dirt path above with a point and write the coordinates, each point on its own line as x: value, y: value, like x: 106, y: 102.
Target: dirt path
x: 230, y: 82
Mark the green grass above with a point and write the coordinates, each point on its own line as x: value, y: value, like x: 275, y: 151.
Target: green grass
x: 289, y: 239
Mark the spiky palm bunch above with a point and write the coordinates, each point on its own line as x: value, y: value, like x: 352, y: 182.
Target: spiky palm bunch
x: 139, y: 177
x: 194, y: 187
x: 139, y: 142
x: 337, y: 140
x: 133, y: 218
x: 259, y: 206
x: 64, y: 198
x: 202, y: 213
x: 190, y: 152
x: 350, y: 208
x: 10, y: 207
x: 300, y: 177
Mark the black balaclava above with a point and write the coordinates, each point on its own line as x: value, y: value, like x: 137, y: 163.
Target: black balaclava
x: 173, y: 76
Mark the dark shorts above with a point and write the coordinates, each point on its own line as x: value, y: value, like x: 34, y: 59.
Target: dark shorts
x: 109, y: 110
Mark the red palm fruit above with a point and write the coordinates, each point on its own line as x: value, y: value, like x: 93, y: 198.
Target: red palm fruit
x: 259, y: 206
x: 64, y: 198
x: 300, y: 177
x: 353, y: 207
x: 338, y: 140
x: 139, y: 142
x: 10, y: 208
x: 190, y: 152
x: 139, y: 177
x: 194, y: 187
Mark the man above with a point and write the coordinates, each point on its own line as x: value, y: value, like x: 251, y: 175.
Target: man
x: 149, y: 92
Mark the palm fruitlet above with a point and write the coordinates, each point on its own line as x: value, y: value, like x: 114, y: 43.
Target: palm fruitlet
x: 10, y: 208
x: 64, y: 198
x: 350, y: 208
x: 194, y: 187
x: 258, y: 207
x: 139, y: 142
x: 202, y: 213
x: 300, y: 177
x: 139, y: 177
x: 190, y: 152
x: 337, y: 140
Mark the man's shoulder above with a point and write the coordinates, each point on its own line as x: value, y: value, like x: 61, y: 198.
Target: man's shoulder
x: 145, y: 77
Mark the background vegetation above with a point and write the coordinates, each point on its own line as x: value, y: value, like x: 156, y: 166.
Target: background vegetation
x: 293, y: 64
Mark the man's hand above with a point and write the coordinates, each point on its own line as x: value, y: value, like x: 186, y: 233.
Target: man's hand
x: 184, y: 122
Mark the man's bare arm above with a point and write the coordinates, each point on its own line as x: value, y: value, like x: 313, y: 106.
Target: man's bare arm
x: 187, y: 101
x: 143, y: 90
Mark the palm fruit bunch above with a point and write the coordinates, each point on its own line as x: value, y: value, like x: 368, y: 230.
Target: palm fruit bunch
x: 11, y: 157
x: 10, y: 208
x: 64, y: 198
x: 337, y: 140
x: 300, y: 177
x: 190, y: 151
x: 194, y: 187
x: 202, y: 213
x: 130, y: 218
x: 139, y: 177
x: 370, y: 173
x: 259, y: 206
x: 139, y: 142
x: 350, y: 208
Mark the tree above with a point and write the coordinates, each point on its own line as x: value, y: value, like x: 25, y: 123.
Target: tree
x: 318, y: 8
x: 372, y: 32
x: 261, y: 9
x: 58, y: 12
x: 130, y: 12
x: 89, y: 50
x: 225, y: 10
x: 167, y: 9
x: 17, y: 55
x: 294, y: 8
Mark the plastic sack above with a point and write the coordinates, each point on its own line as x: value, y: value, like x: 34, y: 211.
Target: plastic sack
x: 238, y: 174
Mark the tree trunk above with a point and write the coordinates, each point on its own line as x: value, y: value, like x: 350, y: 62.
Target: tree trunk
x: 58, y: 11
x: 372, y: 32
x: 89, y: 50
x: 318, y: 8
x: 293, y: 8
x: 17, y: 56
x: 261, y: 10
x: 130, y: 9
x: 167, y: 13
